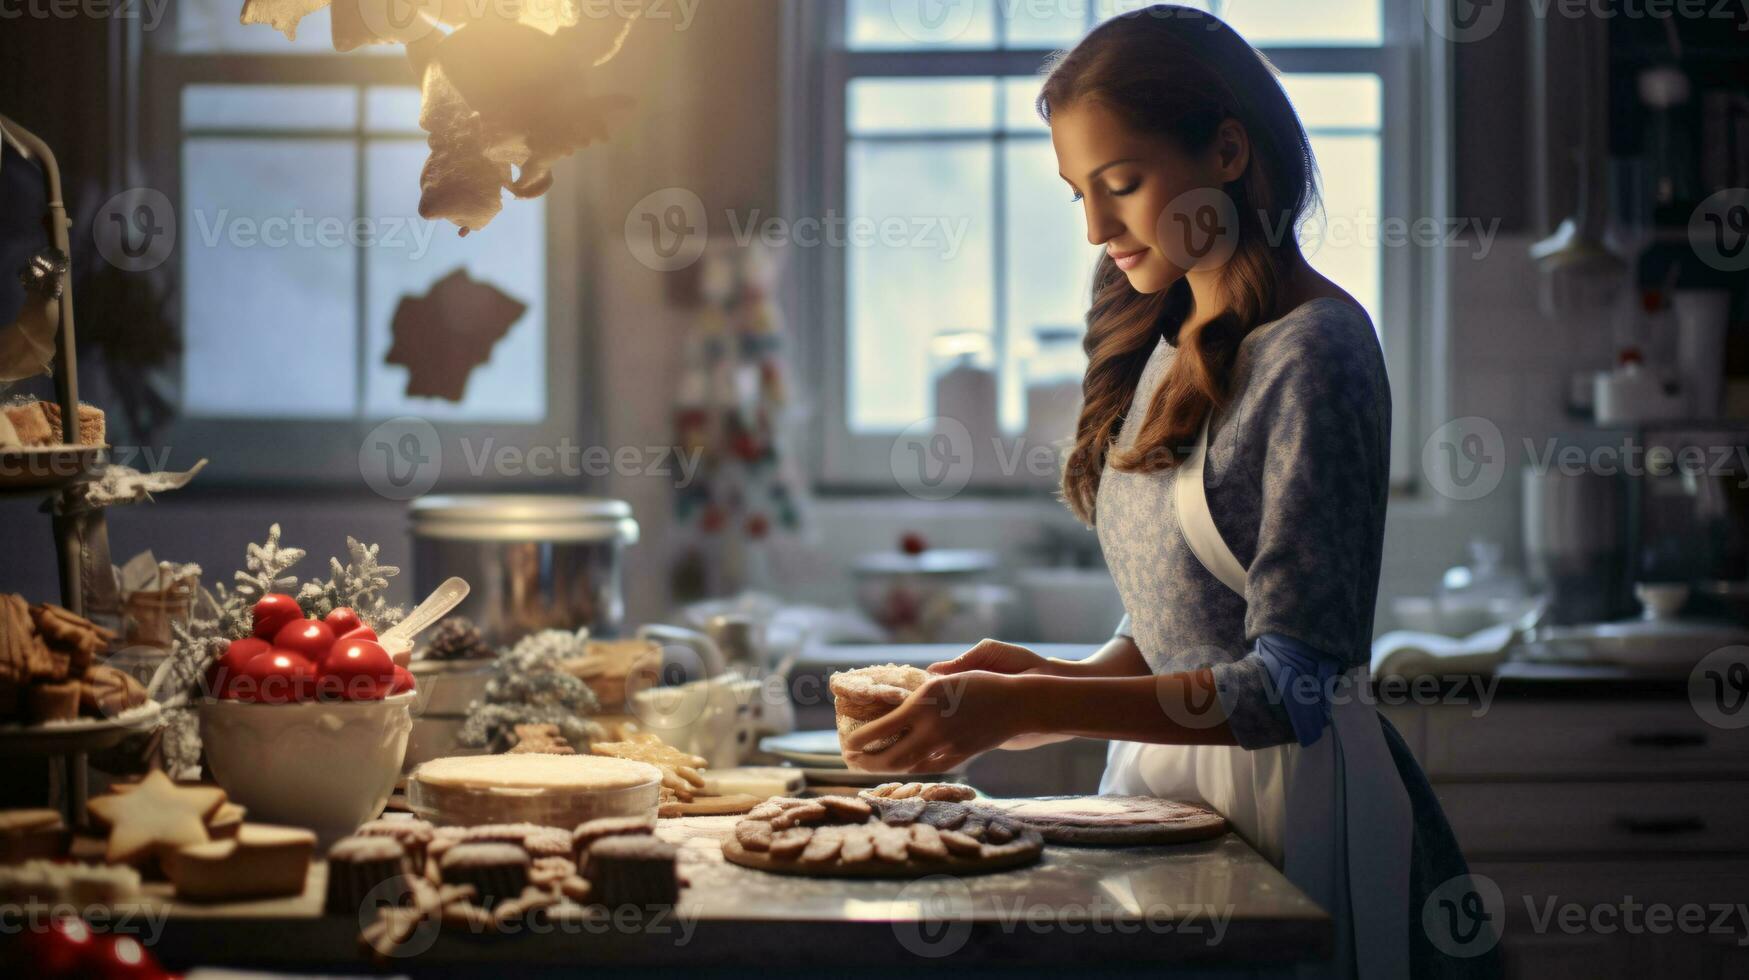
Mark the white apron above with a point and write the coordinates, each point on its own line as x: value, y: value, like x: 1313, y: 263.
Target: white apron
x: 1334, y: 815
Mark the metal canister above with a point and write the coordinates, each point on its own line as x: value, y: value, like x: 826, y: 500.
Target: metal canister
x: 534, y: 562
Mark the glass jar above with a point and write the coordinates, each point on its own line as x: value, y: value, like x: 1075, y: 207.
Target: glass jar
x: 1054, y: 369
x: 963, y: 371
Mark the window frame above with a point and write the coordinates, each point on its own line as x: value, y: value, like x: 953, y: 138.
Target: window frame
x: 816, y: 76
x: 324, y: 453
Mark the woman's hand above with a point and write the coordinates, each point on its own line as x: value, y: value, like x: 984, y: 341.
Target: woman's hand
x: 997, y: 658
x: 951, y: 718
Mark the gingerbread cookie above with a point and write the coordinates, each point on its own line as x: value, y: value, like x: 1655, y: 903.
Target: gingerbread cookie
x: 709, y: 806
x: 78, y: 637
x: 541, y: 740
x: 932, y: 792
x: 902, y: 839
x: 106, y: 692
x: 680, y: 777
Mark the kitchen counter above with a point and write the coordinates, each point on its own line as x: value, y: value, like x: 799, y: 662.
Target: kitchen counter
x: 1211, y: 908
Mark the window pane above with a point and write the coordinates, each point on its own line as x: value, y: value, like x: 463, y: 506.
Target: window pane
x: 1336, y: 101
x: 1104, y: 10
x: 1045, y: 23
x: 1020, y: 105
x: 1305, y: 22
x: 935, y: 24
x: 269, y: 107
x: 921, y: 105
x: 410, y: 254
x: 929, y: 270
x: 392, y: 109
x: 270, y: 318
x: 1050, y: 264
x: 1345, y: 243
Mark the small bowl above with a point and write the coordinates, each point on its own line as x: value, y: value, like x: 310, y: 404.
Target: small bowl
x: 328, y: 766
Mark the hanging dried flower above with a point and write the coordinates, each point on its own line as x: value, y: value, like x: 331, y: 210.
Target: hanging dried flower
x: 506, y: 86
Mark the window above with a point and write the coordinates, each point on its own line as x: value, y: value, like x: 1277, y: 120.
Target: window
x: 926, y: 111
x: 298, y: 236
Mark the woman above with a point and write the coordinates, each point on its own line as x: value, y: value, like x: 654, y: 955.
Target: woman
x: 1233, y: 453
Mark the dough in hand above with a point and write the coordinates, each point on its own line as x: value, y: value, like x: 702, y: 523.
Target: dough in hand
x: 866, y: 694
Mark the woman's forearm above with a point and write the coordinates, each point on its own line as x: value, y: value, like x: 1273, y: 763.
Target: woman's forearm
x: 1118, y: 658
x: 1168, y: 709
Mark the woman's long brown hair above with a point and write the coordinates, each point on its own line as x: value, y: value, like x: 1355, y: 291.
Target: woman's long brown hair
x: 1179, y: 73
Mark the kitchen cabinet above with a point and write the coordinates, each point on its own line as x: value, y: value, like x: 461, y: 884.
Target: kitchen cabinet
x: 1595, y: 796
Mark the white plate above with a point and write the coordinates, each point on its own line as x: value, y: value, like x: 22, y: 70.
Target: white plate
x: 855, y: 777
x: 81, y: 735
x: 818, y: 756
x: 819, y: 750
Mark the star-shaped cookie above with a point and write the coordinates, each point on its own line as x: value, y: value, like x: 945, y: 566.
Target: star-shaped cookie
x: 156, y: 815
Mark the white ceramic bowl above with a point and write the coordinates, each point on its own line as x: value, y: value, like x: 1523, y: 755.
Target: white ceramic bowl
x: 325, y: 766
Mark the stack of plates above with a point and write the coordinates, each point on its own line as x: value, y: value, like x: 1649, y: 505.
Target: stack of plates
x: 820, y: 759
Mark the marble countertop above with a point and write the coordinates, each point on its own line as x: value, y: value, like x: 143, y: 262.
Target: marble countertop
x: 1214, y: 903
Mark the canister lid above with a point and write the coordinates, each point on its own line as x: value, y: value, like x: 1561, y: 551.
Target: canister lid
x: 516, y: 517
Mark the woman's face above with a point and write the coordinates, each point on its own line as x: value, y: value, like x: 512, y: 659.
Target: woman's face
x: 1125, y: 180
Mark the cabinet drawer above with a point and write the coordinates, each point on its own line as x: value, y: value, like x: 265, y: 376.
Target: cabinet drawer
x: 1524, y: 819
x: 1579, y: 740
x: 1535, y: 947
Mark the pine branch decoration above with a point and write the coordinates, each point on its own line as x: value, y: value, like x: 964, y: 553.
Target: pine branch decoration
x: 359, y: 585
x: 267, y: 567
x: 529, y: 686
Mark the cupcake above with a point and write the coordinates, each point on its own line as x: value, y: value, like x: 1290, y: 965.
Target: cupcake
x: 861, y: 696
x: 498, y: 871
x: 357, y: 867
x: 630, y: 869
x: 538, y: 840
x: 52, y: 702
x: 414, y: 836
x: 588, y: 833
